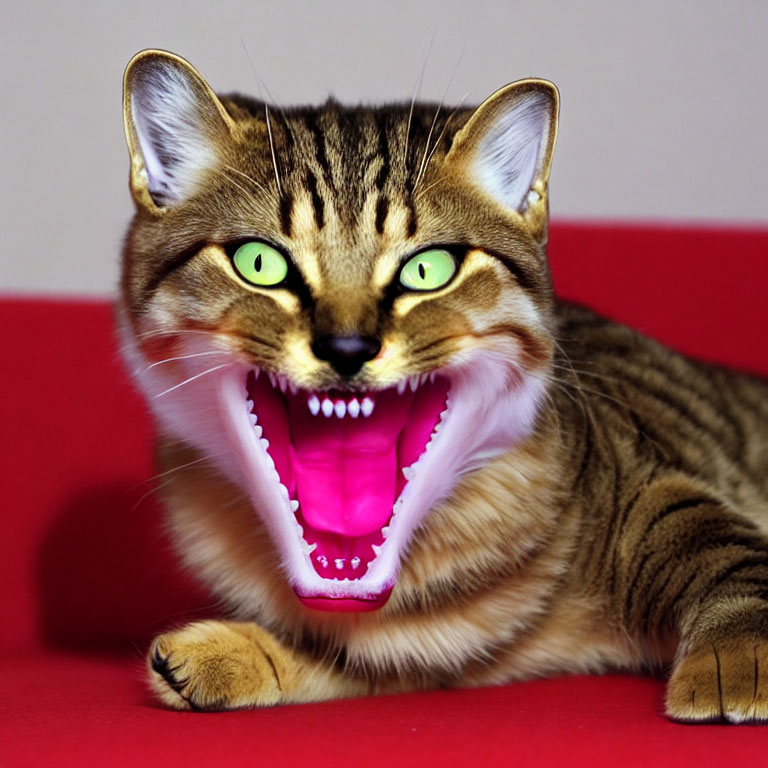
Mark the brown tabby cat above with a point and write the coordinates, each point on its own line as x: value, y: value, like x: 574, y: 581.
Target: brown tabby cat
x: 378, y: 455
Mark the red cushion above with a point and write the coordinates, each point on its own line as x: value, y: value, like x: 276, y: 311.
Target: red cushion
x: 83, y: 563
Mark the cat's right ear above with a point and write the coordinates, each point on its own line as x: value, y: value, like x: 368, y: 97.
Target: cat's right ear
x: 173, y: 124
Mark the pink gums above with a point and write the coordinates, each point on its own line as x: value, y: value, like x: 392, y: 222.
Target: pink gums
x: 345, y: 472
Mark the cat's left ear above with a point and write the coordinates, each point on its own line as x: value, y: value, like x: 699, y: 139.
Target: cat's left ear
x: 506, y: 149
x: 174, y: 125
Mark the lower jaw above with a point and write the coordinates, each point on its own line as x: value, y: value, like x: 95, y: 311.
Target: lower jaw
x: 345, y: 604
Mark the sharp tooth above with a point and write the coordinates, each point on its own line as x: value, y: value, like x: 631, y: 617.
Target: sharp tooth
x: 272, y: 378
x: 264, y: 443
x: 355, y: 563
x: 407, y: 473
x: 376, y: 549
x: 256, y: 373
x: 353, y: 408
x: 327, y: 407
x: 294, y: 505
x: 314, y: 405
x: 432, y: 377
x: 340, y: 408
x: 385, y: 531
x: 258, y: 431
x: 366, y: 407
x: 294, y: 389
x: 339, y: 563
x: 282, y: 383
x: 413, y: 381
x: 284, y: 491
x: 310, y: 547
x: 401, y: 385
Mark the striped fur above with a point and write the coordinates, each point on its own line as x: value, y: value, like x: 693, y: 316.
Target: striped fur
x: 626, y: 530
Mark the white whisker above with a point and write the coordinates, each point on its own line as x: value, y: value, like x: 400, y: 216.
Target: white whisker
x: 192, y: 378
x: 184, y: 357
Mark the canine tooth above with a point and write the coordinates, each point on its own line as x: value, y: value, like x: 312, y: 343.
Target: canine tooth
x: 264, y: 443
x: 339, y: 563
x: 340, y: 408
x: 366, y: 407
x: 284, y: 491
x: 272, y: 378
x: 401, y: 385
x: 314, y: 405
x: 355, y: 563
x: 353, y: 408
x: 294, y: 505
x: 376, y: 549
x: 327, y: 407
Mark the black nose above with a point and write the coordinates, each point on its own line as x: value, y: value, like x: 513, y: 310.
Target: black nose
x: 346, y: 353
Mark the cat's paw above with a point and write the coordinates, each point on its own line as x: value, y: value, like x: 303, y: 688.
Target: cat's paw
x: 723, y: 681
x: 214, y: 665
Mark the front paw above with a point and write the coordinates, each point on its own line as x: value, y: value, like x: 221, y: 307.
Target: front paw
x: 214, y: 665
x: 725, y: 680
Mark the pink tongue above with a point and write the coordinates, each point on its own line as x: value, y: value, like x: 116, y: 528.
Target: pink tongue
x: 346, y: 470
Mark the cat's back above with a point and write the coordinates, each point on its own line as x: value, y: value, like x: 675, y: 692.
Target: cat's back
x: 663, y: 408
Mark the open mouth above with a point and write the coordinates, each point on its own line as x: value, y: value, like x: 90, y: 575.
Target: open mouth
x: 341, y: 460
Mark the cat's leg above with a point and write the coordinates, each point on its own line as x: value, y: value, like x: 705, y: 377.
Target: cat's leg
x: 687, y: 563
x: 215, y: 665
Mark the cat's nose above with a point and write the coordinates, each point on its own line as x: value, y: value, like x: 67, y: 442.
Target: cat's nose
x: 346, y: 353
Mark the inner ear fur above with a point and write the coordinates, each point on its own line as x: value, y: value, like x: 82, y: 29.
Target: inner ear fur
x: 173, y: 125
x: 506, y: 149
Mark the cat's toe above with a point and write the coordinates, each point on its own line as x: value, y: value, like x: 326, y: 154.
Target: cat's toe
x: 208, y: 666
x: 723, y: 682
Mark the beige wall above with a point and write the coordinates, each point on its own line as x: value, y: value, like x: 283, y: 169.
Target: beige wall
x: 665, y: 104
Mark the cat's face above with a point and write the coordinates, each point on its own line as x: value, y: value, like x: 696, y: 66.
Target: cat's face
x: 343, y: 309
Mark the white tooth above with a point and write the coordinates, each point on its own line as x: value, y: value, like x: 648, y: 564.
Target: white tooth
x: 282, y: 383
x: 339, y: 563
x: 408, y: 473
x: 366, y: 407
x: 272, y: 378
x: 254, y: 418
x: 314, y: 405
x: 424, y: 378
x: 341, y: 409
x: 294, y: 389
x: 385, y: 531
x: 413, y: 381
x: 353, y: 408
x: 432, y: 376
x: 376, y: 549
x: 284, y: 491
x: 256, y: 373
x: 323, y: 560
x: 249, y: 403
x: 271, y: 465
x: 310, y: 547
x: 401, y: 385
x: 264, y: 443
x: 258, y: 431
x: 294, y: 505
x: 355, y: 563
x: 327, y: 407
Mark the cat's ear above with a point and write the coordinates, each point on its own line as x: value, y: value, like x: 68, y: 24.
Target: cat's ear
x: 506, y: 147
x: 173, y: 125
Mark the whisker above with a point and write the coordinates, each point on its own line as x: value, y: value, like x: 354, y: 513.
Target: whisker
x: 185, y: 357
x: 416, y: 93
x: 250, y: 179
x: 192, y: 378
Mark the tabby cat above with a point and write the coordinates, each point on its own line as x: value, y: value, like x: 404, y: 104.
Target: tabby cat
x: 398, y: 459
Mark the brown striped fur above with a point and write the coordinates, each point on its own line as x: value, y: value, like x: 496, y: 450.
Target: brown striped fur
x: 628, y: 531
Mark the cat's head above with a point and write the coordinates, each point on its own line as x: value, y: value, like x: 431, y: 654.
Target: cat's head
x: 344, y: 309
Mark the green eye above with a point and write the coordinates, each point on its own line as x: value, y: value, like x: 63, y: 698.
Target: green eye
x: 260, y: 264
x: 428, y: 270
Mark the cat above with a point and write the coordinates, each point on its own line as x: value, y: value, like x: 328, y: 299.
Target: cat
x: 395, y: 456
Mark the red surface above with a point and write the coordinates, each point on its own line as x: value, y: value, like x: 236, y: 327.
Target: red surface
x: 83, y: 563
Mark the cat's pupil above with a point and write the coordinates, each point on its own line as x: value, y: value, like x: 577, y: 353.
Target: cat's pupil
x: 257, y: 263
x: 422, y: 271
